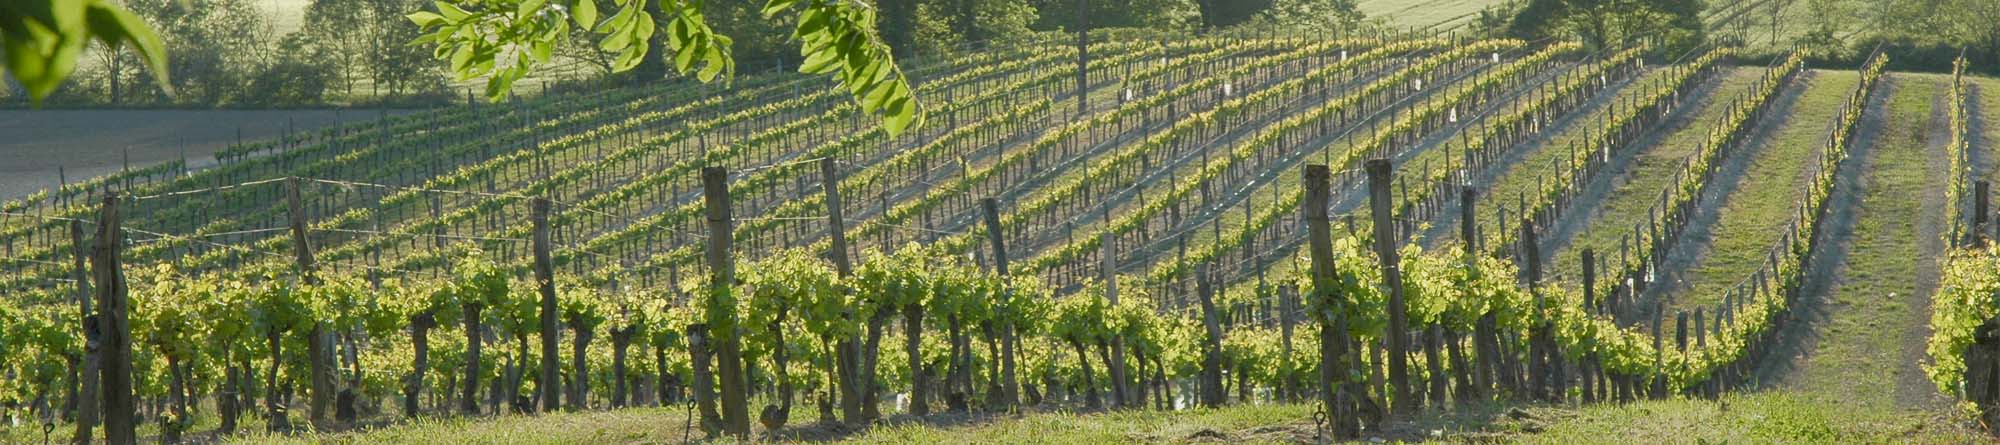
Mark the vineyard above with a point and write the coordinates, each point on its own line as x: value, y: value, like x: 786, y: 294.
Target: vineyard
x: 1275, y: 238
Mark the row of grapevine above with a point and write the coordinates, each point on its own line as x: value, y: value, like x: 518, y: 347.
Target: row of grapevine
x: 1278, y: 136
x: 1405, y: 128
x: 1577, y: 333
x: 1479, y: 148
x: 1061, y: 139
x: 1959, y: 208
x: 1480, y: 145
x: 1963, y: 359
x: 646, y: 154
x: 1667, y: 219
x: 1135, y: 163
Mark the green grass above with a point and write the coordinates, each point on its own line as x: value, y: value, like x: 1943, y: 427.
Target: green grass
x: 645, y: 425
x: 1763, y: 202
x: 1246, y: 424
x: 1867, y: 354
x: 1763, y: 418
x: 1404, y: 14
x: 1638, y: 185
x: 1736, y: 418
x: 1795, y: 20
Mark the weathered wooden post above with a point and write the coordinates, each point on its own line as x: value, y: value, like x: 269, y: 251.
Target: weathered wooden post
x: 120, y: 411
x: 319, y: 345
x: 848, y: 354
x: 1120, y: 396
x: 1657, y: 384
x: 1434, y: 363
x: 1010, y: 387
x: 699, y: 353
x: 1336, y: 394
x: 723, y: 324
x: 89, y: 376
x: 1082, y: 57
x: 1287, y: 304
x: 1385, y: 251
x: 1589, y: 365
x: 1211, y: 344
x: 1590, y: 281
x: 1538, y: 354
x: 545, y: 283
x: 1485, y: 332
x: 1681, y: 333
x: 1980, y: 191
x: 1701, y: 343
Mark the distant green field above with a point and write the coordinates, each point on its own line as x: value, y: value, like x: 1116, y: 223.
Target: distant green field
x: 1423, y: 13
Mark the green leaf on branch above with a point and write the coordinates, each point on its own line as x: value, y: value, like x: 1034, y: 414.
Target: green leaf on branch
x: 585, y: 12
x: 833, y: 36
x: 43, y: 38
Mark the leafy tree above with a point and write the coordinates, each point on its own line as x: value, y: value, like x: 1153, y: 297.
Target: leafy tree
x: 1220, y: 13
x: 1970, y: 24
x: 1312, y: 16
x: 1161, y: 14
x: 368, y: 40
x: 505, y: 40
x: 1612, y: 23
x: 397, y: 67
x: 946, y: 25
x: 1824, y: 35
x: 341, y: 30
x: 1497, y: 19
x: 213, y: 41
x: 300, y: 74
x: 41, y: 40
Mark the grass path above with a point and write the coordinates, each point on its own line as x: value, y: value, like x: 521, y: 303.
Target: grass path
x: 1760, y: 205
x: 1867, y: 350
x: 1515, y: 171
x: 1636, y: 186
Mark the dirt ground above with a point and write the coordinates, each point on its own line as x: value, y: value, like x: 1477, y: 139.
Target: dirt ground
x: 86, y: 143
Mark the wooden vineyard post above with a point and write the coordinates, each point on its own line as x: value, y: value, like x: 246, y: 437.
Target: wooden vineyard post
x: 722, y: 324
x: 1701, y: 342
x: 1532, y: 273
x: 1385, y: 251
x: 1120, y: 396
x: 120, y: 410
x: 1010, y: 388
x: 1681, y: 333
x: 1590, y: 281
x: 1287, y: 304
x: 88, y: 376
x: 1211, y: 345
x: 1434, y: 363
x: 545, y: 284
x: 1980, y: 191
x: 1082, y: 57
x: 1656, y: 385
x: 704, y: 380
x: 1589, y: 363
x: 319, y: 346
x: 1339, y: 396
x: 1485, y: 340
x: 848, y: 352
